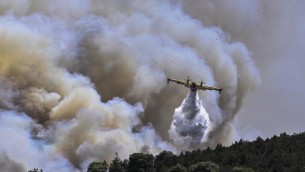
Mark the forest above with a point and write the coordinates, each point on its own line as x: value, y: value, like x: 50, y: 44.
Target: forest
x: 276, y: 154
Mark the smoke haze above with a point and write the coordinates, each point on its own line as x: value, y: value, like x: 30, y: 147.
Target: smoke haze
x: 83, y: 79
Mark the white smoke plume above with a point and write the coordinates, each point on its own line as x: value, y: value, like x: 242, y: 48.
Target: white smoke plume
x: 191, y: 124
x: 81, y: 80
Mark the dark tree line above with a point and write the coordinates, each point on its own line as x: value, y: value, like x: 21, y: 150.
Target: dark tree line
x: 277, y: 154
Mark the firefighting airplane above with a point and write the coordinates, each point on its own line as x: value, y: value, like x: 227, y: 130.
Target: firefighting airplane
x: 193, y: 85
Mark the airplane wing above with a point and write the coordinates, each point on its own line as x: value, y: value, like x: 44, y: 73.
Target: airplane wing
x: 185, y: 83
x: 204, y: 87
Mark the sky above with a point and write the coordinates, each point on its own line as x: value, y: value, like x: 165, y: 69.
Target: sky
x: 83, y: 79
x: 275, y: 38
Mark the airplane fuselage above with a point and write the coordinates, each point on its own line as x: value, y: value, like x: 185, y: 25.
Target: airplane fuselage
x: 193, y: 86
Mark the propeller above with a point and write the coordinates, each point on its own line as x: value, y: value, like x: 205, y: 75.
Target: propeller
x: 201, y: 82
x: 188, y: 79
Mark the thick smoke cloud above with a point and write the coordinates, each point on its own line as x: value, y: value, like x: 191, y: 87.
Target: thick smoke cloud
x: 81, y: 80
x: 23, y: 147
x: 8, y: 164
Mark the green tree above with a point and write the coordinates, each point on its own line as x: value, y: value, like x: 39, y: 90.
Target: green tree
x: 35, y: 170
x: 207, y: 166
x: 140, y: 162
x: 242, y: 169
x: 177, y: 168
x: 117, y: 165
x: 165, y: 160
x: 98, y: 167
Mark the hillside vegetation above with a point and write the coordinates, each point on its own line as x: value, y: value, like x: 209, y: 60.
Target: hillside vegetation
x: 279, y: 153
